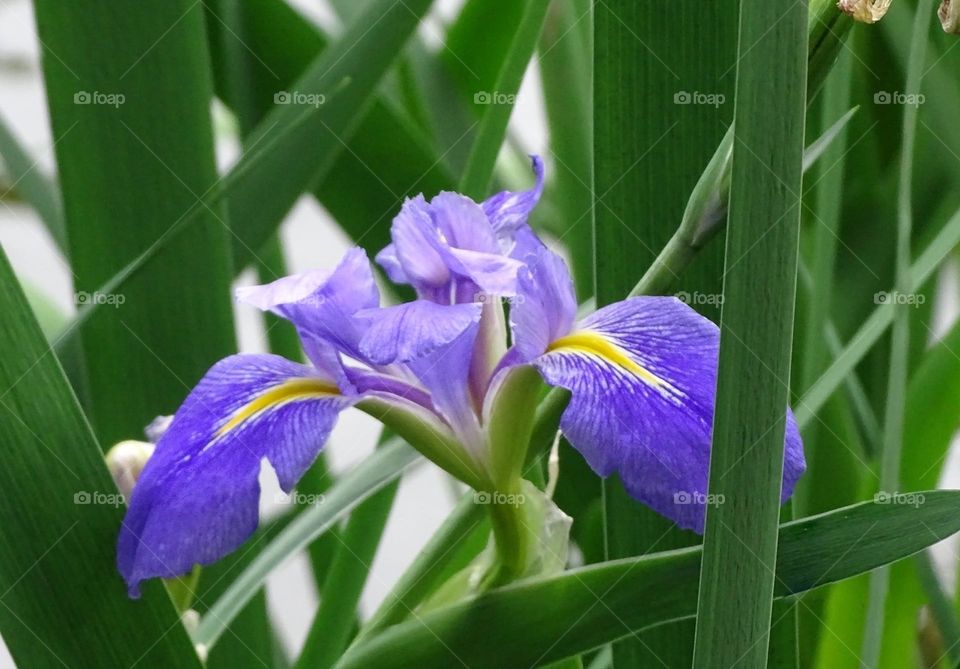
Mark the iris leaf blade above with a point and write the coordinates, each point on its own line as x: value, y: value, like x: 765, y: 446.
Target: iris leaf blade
x: 493, y: 124
x: 64, y: 542
x: 651, y: 140
x: 746, y: 463
x: 347, y: 72
x: 593, y: 605
x: 895, y: 407
x: 129, y: 150
x: 40, y: 191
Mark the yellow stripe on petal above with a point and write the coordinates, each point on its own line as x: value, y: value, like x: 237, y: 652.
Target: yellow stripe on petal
x: 288, y: 391
x: 595, y: 344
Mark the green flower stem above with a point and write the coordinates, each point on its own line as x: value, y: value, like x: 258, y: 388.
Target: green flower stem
x: 513, y: 537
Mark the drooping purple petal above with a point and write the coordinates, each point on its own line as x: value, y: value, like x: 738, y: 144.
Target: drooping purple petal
x: 406, y: 332
x: 642, y: 376
x: 435, y: 343
x: 545, y: 306
x: 508, y: 210
x: 445, y: 373
x: 321, y: 303
x: 198, y: 496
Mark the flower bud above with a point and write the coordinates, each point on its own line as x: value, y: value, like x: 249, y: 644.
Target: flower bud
x: 949, y: 14
x: 125, y: 461
x: 865, y: 11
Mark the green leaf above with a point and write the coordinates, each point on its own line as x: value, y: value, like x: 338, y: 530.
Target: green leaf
x: 831, y: 462
x: 61, y: 514
x: 869, y: 333
x: 475, y: 180
x: 298, y: 144
x: 933, y: 412
x: 746, y: 462
x: 566, y: 69
x: 376, y: 472
x: 355, y: 548
x: 459, y: 540
x: 651, y: 142
x: 257, y: 170
x: 594, y: 605
x: 892, y: 441
x: 32, y: 185
x: 134, y: 147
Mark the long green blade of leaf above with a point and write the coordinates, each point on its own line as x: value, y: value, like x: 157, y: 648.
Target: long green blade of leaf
x: 61, y: 514
x: 566, y: 69
x: 892, y: 444
x: 32, y: 185
x: 594, y: 605
x: 135, y: 152
x: 355, y: 547
x: 659, y: 113
x: 293, y: 162
x: 869, y: 333
x: 460, y: 538
x: 258, y: 169
x: 259, y: 50
x: 746, y: 463
x: 493, y: 126
x: 374, y: 474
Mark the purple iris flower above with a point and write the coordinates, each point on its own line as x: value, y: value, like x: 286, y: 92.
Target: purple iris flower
x: 641, y: 372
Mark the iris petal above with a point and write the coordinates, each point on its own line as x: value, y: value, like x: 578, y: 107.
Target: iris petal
x: 413, y: 330
x: 198, y: 496
x: 322, y: 304
x: 417, y: 245
x: 462, y: 223
x: 508, y: 210
x: 642, y: 376
x: 435, y: 342
x: 545, y: 306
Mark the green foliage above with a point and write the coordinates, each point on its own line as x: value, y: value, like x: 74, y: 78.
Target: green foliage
x: 746, y: 464
x: 63, y: 602
x: 597, y: 604
x: 650, y: 164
